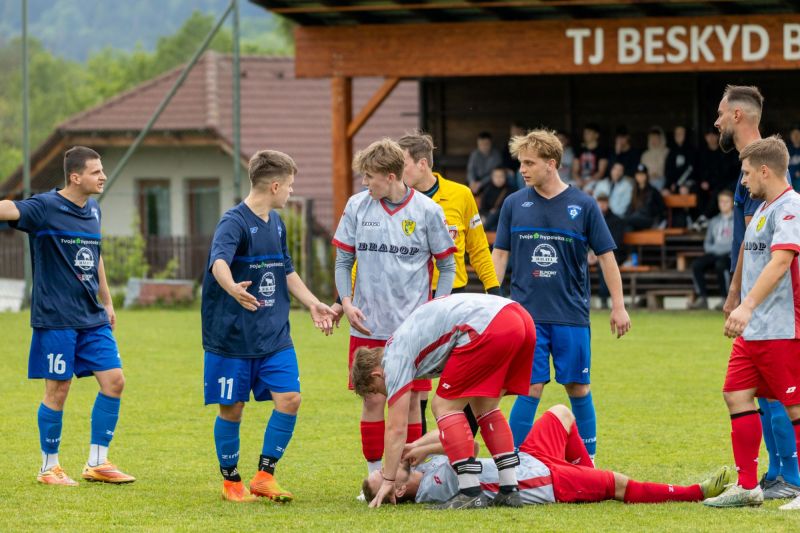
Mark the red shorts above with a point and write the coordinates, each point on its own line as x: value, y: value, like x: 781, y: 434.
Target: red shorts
x: 771, y: 367
x: 571, y: 483
x: 498, y: 360
x: 358, y: 342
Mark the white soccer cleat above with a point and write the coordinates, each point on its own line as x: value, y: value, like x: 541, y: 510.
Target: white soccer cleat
x: 793, y: 505
x: 736, y: 496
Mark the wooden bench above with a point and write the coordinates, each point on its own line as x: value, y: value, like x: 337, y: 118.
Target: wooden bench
x: 678, y: 201
x: 648, y: 237
x: 655, y: 298
x: 682, y: 257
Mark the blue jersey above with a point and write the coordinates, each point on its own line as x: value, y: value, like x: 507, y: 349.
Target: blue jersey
x: 743, y: 206
x: 256, y: 251
x: 549, y: 240
x: 65, y: 255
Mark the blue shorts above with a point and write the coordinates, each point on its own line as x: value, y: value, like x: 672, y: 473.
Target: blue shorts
x: 230, y: 379
x: 59, y: 353
x: 571, y: 349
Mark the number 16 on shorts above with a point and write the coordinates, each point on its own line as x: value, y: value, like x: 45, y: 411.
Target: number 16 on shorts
x: 56, y: 363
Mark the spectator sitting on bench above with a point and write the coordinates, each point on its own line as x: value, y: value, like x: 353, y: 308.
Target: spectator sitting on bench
x: 617, y: 228
x: 717, y: 247
x: 647, y: 206
x: 492, y: 198
x: 617, y: 188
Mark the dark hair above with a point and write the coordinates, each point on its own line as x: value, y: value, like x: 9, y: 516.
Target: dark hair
x: 270, y: 165
x: 592, y: 126
x: 485, y: 135
x: 726, y: 192
x: 745, y: 94
x: 75, y: 160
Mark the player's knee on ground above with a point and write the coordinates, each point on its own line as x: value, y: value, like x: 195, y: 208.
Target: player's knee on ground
x: 373, y: 406
x: 231, y: 413
x: 288, y: 403
x: 55, y: 393
x: 577, y: 390
x: 564, y: 415
x: 536, y: 390
x: 620, y: 486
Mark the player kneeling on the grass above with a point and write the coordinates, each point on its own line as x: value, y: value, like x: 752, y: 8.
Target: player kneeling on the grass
x: 765, y: 358
x: 245, y: 314
x: 554, y: 466
x: 481, y: 346
x: 71, y: 312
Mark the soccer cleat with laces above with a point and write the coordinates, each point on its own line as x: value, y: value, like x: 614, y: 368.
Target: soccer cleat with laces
x: 507, y: 499
x: 235, y: 491
x: 462, y: 501
x: 715, y: 484
x: 106, y: 473
x: 736, y: 496
x: 781, y: 490
x: 56, y: 476
x: 265, y: 485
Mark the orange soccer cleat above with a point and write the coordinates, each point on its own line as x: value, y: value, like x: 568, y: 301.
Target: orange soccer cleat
x: 235, y: 491
x: 106, y: 473
x: 265, y: 485
x: 56, y: 476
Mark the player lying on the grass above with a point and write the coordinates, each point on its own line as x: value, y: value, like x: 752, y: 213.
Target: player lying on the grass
x: 481, y: 346
x: 554, y: 467
x: 765, y: 357
x: 245, y: 315
x: 72, y: 314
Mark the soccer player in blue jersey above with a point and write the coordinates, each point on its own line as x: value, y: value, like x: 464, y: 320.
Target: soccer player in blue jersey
x: 71, y: 312
x: 546, y: 231
x: 245, y: 314
x: 738, y: 117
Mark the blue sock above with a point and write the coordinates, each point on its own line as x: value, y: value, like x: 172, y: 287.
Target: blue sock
x: 783, y: 432
x: 278, y: 434
x: 521, y: 418
x: 774, y: 466
x: 226, y: 440
x: 105, y: 414
x: 49, y: 429
x: 586, y: 420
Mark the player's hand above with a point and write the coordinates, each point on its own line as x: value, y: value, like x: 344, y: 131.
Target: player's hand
x: 112, y: 315
x: 323, y: 317
x: 339, y: 312
x: 386, y: 491
x: 245, y: 299
x: 357, y: 319
x: 620, y: 321
x: 731, y: 302
x: 413, y: 454
x: 737, y: 321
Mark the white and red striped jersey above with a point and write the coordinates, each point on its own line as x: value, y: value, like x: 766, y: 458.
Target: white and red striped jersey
x: 394, y: 249
x: 439, y: 481
x: 420, y: 347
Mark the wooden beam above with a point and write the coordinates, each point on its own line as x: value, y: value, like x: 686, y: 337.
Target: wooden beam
x: 341, y: 142
x: 371, y: 106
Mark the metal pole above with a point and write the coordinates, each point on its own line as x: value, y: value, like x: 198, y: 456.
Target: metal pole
x: 26, y: 148
x: 142, y: 134
x: 237, y: 135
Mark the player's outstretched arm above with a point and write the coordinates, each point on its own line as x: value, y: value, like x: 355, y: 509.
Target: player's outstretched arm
x: 8, y: 210
x: 394, y: 441
x: 238, y: 291
x: 620, y: 321
x: 767, y: 281
x: 321, y: 314
x: 104, y: 293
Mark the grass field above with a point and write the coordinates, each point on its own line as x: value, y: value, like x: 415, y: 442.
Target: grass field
x: 660, y: 418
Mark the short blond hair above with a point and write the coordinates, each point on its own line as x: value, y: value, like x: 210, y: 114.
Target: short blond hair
x: 270, y: 165
x: 771, y: 152
x: 381, y: 157
x: 365, y: 361
x: 544, y: 143
x: 419, y: 146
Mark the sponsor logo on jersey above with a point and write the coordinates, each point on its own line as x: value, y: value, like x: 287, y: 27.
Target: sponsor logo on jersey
x: 539, y: 236
x: 84, y: 259
x: 788, y: 217
x: 475, y: 221
x: 371, y: 223
x: 408, y: 226
x: 527, y: 204
x: 453, y: 231
x: 544, y: 273
x: 389, y: 248
x: 254, y: 229
x: 761, y: 222
x: 574, y: 211
x: 752, y: 246
x: 95, y: 214
x: 266, y: 286
x: 544, y: 255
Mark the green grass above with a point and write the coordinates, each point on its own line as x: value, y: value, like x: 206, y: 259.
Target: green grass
x: 660, y: 418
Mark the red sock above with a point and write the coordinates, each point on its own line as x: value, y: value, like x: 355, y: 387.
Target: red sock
x: 372, y: 440
x: 414, y: 432
x: 746, y: 439
x: 575, y: 451
x: 639, y: 492
x: 456, y: 437
x: 496, y: 433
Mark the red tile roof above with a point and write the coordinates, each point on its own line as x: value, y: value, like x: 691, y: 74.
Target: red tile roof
x: 278, y: 111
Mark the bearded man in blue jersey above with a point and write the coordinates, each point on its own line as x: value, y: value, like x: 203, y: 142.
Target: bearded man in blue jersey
x: 546, y: 231
x: 71, y: 312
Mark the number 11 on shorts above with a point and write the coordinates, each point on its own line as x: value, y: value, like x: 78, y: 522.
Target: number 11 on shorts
x: 56, y: 364
x: 223, y: 383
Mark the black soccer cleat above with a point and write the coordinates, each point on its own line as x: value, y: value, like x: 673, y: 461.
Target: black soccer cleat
x: 507, y: 499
